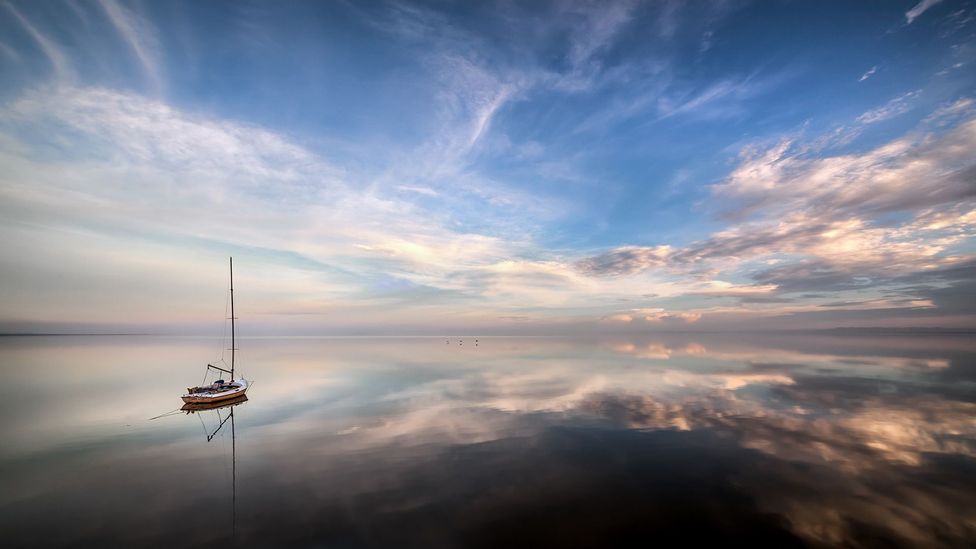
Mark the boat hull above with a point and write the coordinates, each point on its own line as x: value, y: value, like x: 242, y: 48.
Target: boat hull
x: 205, y: 398
x: 191, y: 407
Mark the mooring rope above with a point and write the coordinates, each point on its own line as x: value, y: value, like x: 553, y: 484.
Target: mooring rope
x: 176, y: 411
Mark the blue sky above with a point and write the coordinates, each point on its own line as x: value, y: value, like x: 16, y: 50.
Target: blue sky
x: 396, y: 167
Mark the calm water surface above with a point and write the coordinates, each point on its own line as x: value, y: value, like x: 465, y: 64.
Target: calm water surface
x: 800, y: 440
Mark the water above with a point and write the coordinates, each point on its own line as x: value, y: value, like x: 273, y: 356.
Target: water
x: 427, y: 442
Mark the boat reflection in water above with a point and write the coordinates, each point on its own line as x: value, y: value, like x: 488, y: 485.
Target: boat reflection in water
x: 225, y: 413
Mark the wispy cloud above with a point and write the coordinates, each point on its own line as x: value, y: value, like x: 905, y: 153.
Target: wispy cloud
x: 9, y: 52
x: 897, y: 106
x: 517, y: 171
x: 140, y: 36
x: 819, y: 216
x: 920, y: 8
x: 868, y: 73
x: 419, y: 190
x: 597, y: 31
x: 156, y: 173
x: 952, y: 112
x: 721, y: 99
x: 58, y: 59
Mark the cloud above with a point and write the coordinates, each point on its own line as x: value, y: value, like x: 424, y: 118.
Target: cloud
x: 653, y: 315
x: 9, y: 52
x: 719, y: 100
x: 597, y: 31
x: 868, y: 74
x: 819, y: 221
x: 914, y: 172
x: 140, y: 36
x: 826, y: 222
x: 625, y: 260
x: 104, y: 182
x: 118, y: 126
x: 919, y: 9
x: 706, y: 41
x: 140, y: 169
x: 419, y: 190
x: 719, y: 288
x: 58, y: 59
x: 443, y: 218
x: 708, y: 96
x: 848, y: 242
x: 897, y: 106
x: 951, y: 112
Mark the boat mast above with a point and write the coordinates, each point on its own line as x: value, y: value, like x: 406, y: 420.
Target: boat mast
x: 233, y: 343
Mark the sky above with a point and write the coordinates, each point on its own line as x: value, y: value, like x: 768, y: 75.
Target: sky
x: 487, y: 167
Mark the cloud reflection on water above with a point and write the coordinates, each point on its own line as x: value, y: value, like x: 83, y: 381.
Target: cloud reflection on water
x: 365, y: 442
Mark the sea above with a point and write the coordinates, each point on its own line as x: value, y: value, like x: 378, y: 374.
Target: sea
x: 806, y: 439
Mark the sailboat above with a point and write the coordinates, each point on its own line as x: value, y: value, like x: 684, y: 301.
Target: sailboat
x: 221, y: 390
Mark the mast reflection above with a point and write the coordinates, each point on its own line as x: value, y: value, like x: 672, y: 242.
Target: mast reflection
x: 228, y: 405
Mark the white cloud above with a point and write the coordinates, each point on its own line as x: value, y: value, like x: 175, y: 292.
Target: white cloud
x: 722, y: 99
x: 652, y: 315
x: 867, y: 74
x: 891, y: 109
x: 125, y: 163
x: 137, y: 166
x: 419, y: 190
x: 58, y: 59
x: 600, y: 26
x: 825, y: 222
x: 919, y: 9
x: 952, y: 112
x: 116, y: 173
x: 909, y: 173
x: 140, y: 36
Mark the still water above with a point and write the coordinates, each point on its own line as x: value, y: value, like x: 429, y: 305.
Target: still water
x: 798, y: 440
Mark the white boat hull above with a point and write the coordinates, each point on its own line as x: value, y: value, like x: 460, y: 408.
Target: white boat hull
x: 235, y: 389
